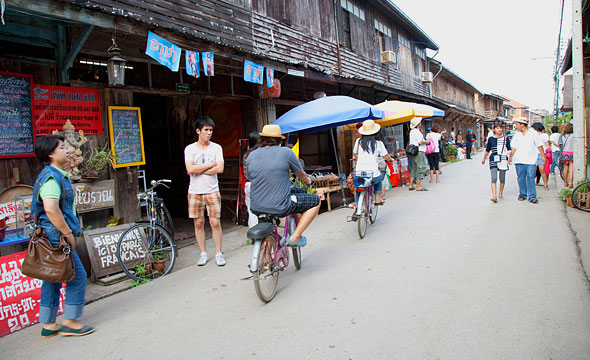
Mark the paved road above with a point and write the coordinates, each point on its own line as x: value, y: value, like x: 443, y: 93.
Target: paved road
x: 443, y: 274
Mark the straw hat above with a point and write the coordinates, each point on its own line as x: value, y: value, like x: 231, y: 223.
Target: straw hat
x: 415, y: 122
x: 522, y: 120
x: 271, y: 131
x: 369, y: 128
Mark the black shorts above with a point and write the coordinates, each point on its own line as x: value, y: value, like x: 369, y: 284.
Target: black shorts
x: 433, y: 159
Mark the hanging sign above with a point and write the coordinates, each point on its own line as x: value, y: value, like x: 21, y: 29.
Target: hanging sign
x: 192, y: 63
x: 163, y: 51
x: 16, y: 118
x: 253, y: 72
x: 53, y: 105
x: 270, y: 77
x: 19, y: 295
x: 208, y: 63
x: 183, y: 88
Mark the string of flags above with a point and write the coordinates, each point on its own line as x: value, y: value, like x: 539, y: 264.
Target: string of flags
x: 169, y: 54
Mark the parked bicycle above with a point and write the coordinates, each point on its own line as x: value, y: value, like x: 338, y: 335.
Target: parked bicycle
x: 365, y: 210
x: 270, y: 254
x: 147, y: 250
x: 581, y: 196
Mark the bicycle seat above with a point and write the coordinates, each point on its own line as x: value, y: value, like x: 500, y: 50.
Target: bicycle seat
x: 260, y: 230
x: 270, y: 218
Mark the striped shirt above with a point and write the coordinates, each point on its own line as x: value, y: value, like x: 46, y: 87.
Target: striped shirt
x: 498, y: 146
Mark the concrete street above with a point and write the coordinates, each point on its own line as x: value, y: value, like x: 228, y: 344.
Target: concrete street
x: 443, y: 274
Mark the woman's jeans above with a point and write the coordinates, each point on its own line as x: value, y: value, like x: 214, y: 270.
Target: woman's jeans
x: 75, y: 290
x: 377, y: 185
x: 526, y: 181
x: 556, y: 155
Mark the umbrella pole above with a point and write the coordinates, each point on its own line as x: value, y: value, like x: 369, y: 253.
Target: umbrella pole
x: 344, y: 203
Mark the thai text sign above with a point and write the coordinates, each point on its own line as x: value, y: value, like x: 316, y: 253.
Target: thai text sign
x: 19, y: 296
x: 94, y: 196
x: 253, y: 72
x: 102, y: 249
x: 53, y: 105
x: 16, y: 118
x: 163, y: 51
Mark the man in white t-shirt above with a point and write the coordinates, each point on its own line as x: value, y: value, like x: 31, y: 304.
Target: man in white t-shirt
x: 526, y: 146
x: 204, y: 160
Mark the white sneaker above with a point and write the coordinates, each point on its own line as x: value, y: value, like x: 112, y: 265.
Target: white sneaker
x: 220, y: 259
x: 203, y: 259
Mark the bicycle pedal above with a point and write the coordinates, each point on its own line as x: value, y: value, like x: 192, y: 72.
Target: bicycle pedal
x: 351, y: 218
x: 251, y: 277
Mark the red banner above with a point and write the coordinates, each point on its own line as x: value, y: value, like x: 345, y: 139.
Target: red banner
x: 19, y: 296
x: 53, y: 105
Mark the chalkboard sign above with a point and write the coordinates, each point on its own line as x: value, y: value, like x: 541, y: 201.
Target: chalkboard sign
x: 16, y: 116
x: 102, y: 249
x: 126, y: 135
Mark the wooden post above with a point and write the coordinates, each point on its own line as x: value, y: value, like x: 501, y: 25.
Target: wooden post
x: 126, y: 183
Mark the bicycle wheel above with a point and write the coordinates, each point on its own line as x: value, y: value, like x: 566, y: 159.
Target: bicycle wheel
x: 146, y: 252
x: 581, y: 196
x: 166, y: 219
x: 362, y: 224
x: 266, y: 277
x: 373, y: 212
x: 297, y: 257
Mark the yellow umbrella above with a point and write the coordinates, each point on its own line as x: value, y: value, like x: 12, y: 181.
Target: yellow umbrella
x: 399, y: 112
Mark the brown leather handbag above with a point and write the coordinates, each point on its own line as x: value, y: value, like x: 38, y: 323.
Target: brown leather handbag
x: 45, y: 262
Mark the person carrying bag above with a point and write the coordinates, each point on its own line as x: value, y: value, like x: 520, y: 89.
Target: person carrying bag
x: 53, y: 243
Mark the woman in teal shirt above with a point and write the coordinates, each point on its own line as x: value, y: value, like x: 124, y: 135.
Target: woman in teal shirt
x: 53, y: 206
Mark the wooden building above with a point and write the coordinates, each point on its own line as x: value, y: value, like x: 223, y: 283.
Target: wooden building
x: 367, y: 49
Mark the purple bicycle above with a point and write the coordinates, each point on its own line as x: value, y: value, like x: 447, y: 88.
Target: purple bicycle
x: 365, y: 210
x: 270, y: 254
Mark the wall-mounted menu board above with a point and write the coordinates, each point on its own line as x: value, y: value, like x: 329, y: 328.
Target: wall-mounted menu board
x: 126, y: 135
x: 16, y: 116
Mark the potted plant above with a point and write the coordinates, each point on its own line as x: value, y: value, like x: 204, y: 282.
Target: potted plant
x: 582, y: 194
x: 566, y: 195
x: 94, y: 161
x: 451, y: 152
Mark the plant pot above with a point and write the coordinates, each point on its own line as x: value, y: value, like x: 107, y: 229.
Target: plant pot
x: 159, y: 265
x: 452, y: 157
x: 569, y: 201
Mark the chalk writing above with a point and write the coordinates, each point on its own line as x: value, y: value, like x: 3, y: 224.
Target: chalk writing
x: 126, y: 136
x: 16, y: 122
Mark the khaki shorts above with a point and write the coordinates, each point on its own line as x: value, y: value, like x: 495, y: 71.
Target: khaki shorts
x: 198, y: 202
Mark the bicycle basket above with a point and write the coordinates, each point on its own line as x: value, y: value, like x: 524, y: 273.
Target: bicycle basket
x: 362, y: 178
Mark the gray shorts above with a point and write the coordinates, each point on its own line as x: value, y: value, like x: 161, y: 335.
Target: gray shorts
x: 494, y: 173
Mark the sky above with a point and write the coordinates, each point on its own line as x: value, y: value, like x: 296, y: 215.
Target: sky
x: 504, y: 47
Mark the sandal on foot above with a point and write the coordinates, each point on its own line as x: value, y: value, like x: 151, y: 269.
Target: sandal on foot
x: 301, y: 243
x: 494, y: 200
x: 46, y: 333
x: 423, y: 189
x: 412, y: 188
x: 379, y: 203
x: 534, y: 201
x: 66, y: 331
x: 521, y: 198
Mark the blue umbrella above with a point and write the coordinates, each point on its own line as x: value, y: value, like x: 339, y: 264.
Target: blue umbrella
x: 325, y: 113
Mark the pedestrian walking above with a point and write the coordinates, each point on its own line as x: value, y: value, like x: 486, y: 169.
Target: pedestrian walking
x: 497, y: 148
x: 544, y: 137
x: 433, y: 151
x: 556, y: 140
x: 53, y: 204
x: 204, y: 160
x: 567, y: 155
x: 469, y: 140
x: 418, y: 161
x: 252, y: 145
x: 442, y: 145
x: 526, y: 145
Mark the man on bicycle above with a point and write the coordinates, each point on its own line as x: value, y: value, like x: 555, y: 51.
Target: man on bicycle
x: 268, y: 167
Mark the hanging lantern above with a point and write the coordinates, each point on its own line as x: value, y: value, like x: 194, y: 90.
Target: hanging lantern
x: 116, y: 66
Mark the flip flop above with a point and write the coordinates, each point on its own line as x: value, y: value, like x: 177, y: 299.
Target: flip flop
x: 379, y: 203
x: 66, y: 331
x: 46, y: 333
x: 494, y: 200
x: 521, y: 198
x: 412, y: 188
x: 301, y: 243
x: 423, y: 189
x: 534, y: 201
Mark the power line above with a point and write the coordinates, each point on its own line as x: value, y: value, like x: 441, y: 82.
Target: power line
x: 556, y: 69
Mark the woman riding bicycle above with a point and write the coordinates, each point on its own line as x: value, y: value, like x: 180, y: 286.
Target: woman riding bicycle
x: 268, y: 167
x: 366, y: 151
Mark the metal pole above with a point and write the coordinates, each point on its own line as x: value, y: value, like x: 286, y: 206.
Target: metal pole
x: 579, y: 119
x: 344, y: 203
